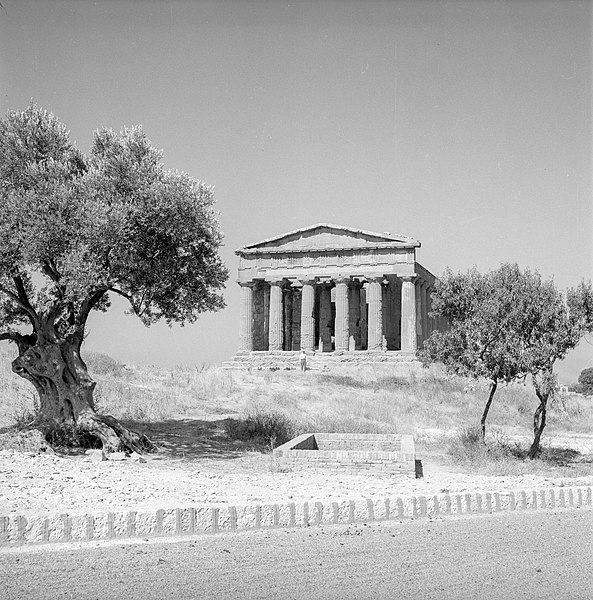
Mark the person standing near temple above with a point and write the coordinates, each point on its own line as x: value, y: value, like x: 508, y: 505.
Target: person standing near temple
x: 303, y: 360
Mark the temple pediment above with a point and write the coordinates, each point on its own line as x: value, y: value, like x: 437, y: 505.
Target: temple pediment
x: 327, y: 237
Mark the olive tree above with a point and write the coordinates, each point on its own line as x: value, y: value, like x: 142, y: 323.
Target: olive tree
x: 507, y: 325
x: 557, y: 324
x: 75, y: 229
x: 482, y: 312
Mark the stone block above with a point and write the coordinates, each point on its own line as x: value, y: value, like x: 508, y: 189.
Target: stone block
x: 145, y: 523
x: 35, y: 530
x: 380, y: 509
x: 248, y: 517
x: 117, y: 456
x: 268, y: 515
x: 55, y: 528
x: 169, y: 522
x: 286, y: 515
x: 119, y: 524
x: 204, y: 520
x: 135, y: 457
x: 95, y: 455
x: 227, y: 518
x: 361, y: 511
x: 79, y: 528
x: 301, y: 515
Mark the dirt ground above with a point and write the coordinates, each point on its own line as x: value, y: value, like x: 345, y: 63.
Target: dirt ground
x: 197, y: 463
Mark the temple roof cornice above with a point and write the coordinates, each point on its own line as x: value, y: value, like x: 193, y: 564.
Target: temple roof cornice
x: 326, y: 237
x: 246, y: 250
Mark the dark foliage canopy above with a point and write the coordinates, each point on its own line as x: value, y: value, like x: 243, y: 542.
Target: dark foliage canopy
x: 75, y: 228
x: 586, y: 381
x: 506, y: 323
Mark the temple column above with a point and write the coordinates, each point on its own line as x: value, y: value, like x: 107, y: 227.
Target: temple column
x: 408, y: 313
x: 375, y: 321
x: 307, y: 319
x: 275, y: 335
x: 246, y: 316
x: 342, y: 314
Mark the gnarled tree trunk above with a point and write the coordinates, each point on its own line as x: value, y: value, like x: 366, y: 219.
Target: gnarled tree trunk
x: 544, y: 384
x: 493, y: 387
x: 65, y: 390
x: 539, y: 422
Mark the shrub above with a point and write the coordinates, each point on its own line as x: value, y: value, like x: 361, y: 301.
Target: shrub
x: 66, y: 435
x: 28, y: 415
x: 102, y: 364
x: 265, y: 428
x: 468, y: 447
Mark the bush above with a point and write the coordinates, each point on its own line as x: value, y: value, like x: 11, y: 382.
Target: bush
x: 467, y: 447
x: 102, y: 364
x: 67, y: 435
x: 265, y: 428
x: 585, y: 385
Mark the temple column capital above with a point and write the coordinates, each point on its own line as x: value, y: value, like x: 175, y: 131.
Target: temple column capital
x: 276, y: 282
x: 342, y: 280
x: 409, y: 278
x: 307, y: 280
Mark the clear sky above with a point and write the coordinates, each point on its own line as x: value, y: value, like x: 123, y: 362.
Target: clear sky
x: 464, y: 124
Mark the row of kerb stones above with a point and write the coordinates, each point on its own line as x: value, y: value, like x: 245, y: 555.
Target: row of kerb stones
x: 17, y: 530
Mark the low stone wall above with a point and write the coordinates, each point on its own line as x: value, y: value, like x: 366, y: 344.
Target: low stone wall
x: 17, y: 530
x: 384, y: 452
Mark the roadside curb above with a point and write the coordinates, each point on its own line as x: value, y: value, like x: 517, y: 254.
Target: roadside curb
x: 19, y: 530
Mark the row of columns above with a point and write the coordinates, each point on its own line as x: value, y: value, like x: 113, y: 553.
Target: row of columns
x: 414, y: 320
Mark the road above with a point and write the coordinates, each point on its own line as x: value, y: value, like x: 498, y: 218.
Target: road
x: 535, y: 555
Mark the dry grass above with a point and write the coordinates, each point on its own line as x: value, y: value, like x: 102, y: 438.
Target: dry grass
x: 360, y: 399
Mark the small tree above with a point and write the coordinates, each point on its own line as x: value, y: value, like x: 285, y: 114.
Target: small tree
x: 585, y: 385
x: 559, y: 324
x: 75, y: 229
x: 483, y: 312
x: 506, y: 325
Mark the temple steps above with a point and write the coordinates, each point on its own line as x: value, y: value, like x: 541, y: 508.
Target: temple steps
x: 289, y: 360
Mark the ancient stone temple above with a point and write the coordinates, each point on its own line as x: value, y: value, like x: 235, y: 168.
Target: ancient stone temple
x: 333, y: 289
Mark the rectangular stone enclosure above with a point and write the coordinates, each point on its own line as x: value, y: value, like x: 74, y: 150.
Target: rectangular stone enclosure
x: 351, y: 451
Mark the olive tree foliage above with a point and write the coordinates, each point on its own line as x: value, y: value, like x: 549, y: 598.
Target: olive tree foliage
x: 505, y: 325
x: 483, y: 311
x: 562, y: 320
x: 585, y: 385
x: 75, y: 229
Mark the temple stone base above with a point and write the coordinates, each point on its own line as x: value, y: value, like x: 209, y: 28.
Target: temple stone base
x: 403, y: 363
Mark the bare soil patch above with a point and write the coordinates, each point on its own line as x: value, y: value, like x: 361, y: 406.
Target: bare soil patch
x: 197, y: 464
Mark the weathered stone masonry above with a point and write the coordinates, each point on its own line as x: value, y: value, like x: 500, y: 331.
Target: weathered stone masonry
x: 334, y: 289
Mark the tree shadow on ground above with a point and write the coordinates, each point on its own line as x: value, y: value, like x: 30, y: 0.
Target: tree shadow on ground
x: 193, y: 439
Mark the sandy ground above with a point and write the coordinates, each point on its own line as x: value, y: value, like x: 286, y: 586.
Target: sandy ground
x: 41, y: 483
x: 198, y: 464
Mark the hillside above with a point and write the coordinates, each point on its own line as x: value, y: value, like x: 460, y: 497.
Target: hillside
x: 363, y: 399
